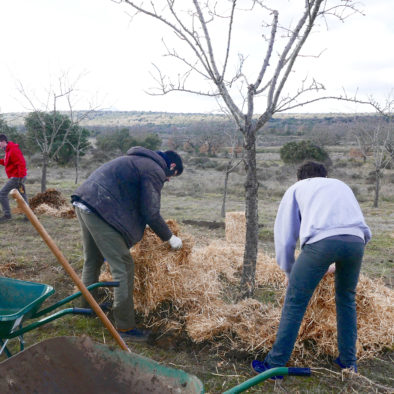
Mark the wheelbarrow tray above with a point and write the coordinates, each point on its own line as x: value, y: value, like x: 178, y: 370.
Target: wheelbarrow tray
x: 20, y: 298
x: 79, y: 365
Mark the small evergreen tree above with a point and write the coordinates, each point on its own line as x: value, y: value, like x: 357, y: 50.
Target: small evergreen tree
x: 14, y: 136
x: 296, y: 152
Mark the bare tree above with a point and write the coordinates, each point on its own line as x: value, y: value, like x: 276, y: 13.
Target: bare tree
x: 78, y: 145
x: 212, y: 66
x: 47, y: 135
x: 361, y: 132
x: 381, y: 142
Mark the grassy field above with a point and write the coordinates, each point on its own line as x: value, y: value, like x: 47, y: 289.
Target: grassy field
x: 196, y: 197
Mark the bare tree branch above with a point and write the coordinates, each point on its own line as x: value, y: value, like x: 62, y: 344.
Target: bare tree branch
x: 208, y: 61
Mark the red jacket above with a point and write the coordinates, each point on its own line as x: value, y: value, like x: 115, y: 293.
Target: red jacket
x: 14, y: 162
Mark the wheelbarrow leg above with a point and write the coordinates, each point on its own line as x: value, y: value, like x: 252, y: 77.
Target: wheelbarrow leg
x: 17, y: 324
x: 21, y: 340
x: 4, y: 348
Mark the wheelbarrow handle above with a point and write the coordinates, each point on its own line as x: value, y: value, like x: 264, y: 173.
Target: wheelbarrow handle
x: 89, y: 311
x: 299, y: 371
x: 73, y: 297
x: 109, y: 284
x: 266, y: 375
x: 82, y: 311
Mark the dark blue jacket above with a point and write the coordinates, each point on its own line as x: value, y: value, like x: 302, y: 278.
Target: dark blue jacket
x: 126, y: 192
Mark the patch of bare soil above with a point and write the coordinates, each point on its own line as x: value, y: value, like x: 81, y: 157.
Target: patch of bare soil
x: 204, y: 223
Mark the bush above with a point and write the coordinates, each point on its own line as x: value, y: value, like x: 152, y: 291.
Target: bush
x: 122, y: 140
x: 297, y: 152
x: 202, y: 162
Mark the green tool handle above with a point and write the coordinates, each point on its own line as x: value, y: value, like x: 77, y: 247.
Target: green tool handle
x: 266, y: 375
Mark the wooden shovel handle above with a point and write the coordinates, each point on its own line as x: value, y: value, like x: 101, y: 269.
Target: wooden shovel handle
x: 66, y: 265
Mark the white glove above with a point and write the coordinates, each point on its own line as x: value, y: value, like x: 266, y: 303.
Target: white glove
x: 331, y: 269
x: 175, y: 242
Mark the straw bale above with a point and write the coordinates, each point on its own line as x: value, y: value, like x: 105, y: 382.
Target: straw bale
x: 51, y: 197
x: 190, y: 290
x: 235, y: 227
x: 51, y: 203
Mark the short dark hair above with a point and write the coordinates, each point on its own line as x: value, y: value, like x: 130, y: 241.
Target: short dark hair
x: 3, y: 137
x: 311, y: 169
x: 176, y: 159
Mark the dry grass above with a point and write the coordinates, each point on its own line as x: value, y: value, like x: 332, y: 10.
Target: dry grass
x: 186, y: 290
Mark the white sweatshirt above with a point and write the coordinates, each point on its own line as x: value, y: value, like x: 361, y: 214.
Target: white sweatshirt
x: 314, y: 209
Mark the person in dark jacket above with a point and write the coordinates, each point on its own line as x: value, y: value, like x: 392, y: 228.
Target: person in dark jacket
x: 113, y: 207
x: 15, y: 168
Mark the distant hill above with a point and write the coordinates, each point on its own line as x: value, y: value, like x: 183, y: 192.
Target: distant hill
x: 120, y: 119
x: 324, y: 128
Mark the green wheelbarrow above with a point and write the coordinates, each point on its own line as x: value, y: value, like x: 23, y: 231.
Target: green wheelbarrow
x: 77, y: 365
x: 21, y: 300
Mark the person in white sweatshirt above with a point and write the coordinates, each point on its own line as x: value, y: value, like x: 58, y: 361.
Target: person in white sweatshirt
x: 324, y: 215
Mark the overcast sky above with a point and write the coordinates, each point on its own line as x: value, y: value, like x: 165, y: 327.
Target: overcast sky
x: 42, y: 38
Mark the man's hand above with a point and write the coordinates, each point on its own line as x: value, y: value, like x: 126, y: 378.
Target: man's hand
x: 175, y: 242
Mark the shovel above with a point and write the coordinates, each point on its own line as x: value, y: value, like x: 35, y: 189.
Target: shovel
x: 66, y: 265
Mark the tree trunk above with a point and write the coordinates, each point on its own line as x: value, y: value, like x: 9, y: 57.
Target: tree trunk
x: 44, y: 172
x: 377, y: 189
x: 223, y: 213
x: 251, y: 211
x: 76, y: 167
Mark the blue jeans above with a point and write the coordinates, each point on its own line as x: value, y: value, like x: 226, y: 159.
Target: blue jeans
x: 306, y: 274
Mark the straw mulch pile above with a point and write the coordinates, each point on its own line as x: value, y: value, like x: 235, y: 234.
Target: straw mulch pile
x: 192, y: 290
x: 51, y: 203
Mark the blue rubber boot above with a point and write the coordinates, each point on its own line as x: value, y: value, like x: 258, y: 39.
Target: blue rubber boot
x: 262, y: 366
x: 135, y: 335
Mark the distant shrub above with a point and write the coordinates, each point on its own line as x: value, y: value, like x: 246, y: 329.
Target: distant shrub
x: 341, y: 163
x: 221, y: 166
x: 296, y: 152
x: 355, y: 175
x: 202, y: 162
x: 122, y: 140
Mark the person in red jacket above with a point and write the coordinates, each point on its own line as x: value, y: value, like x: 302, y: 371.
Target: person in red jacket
x: 15, y: 168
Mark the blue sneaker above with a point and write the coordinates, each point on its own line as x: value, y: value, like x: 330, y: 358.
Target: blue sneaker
x: 352, y: 367
x: 262, y: 366
x: 135, y: 335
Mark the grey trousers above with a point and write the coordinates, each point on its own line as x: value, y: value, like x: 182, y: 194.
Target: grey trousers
x: 101, y: 241
x: 12, y: 183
